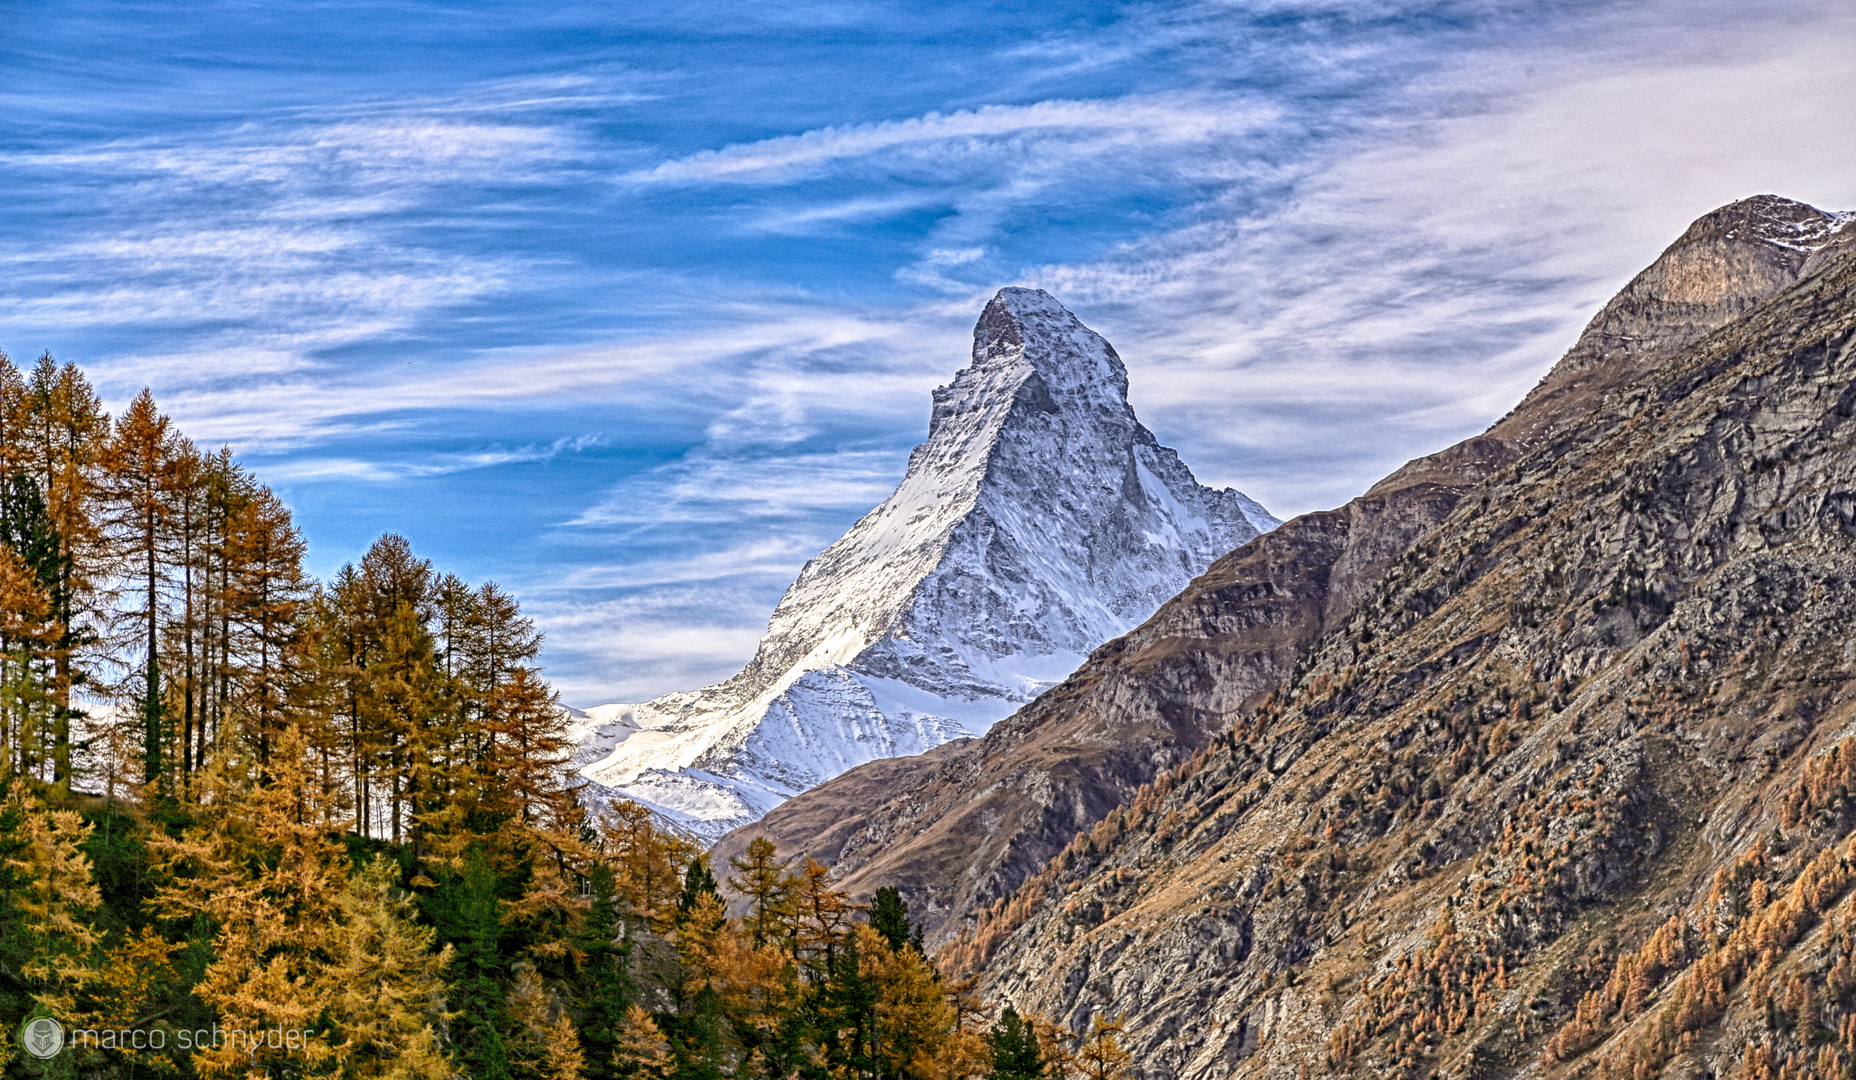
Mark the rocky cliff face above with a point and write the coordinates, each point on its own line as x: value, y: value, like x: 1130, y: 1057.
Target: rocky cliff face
x: 963, y: 827
x: 1039, y: 519
x: 1565, y: 791
x: 1725, y: 264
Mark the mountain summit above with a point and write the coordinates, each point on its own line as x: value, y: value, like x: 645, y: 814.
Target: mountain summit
x: 1039, y: 519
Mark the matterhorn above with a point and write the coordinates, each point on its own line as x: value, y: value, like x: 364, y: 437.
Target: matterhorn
x: 1038, y: 520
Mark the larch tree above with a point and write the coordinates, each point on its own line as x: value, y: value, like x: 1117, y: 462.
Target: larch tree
x: 267, y: 602
x: 137, y: 484
x: 27, y: 636
x: 264, y: 866
x: 917, y: 1031
x: 400, y: 704
x: 644, y: 859
x: 762, y: 877
x: 545, y: 1045
x: 1053, y: 1043
x: 26, y: 630
x: 821, y: 917
x: 181, y: 673
x: 387, y: 998
x: 58, y: 895
x: 1101, y: 1056
x: 225, y: 488
x: 66, y: 434
x: 642, y: 1052
x: 700, y: 1043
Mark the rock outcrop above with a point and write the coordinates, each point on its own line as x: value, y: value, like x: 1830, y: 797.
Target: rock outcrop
x: 1039, y: 519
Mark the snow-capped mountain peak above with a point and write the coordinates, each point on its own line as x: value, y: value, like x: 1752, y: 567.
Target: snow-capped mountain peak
x: 1037, y: 520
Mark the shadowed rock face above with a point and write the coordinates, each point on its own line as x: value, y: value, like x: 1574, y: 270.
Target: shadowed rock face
x: 970, y: 822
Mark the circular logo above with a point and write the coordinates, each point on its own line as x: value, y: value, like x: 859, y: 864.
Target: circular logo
x: 43, y: 1037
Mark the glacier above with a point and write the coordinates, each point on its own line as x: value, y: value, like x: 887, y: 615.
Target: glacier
x: 1038, y: 520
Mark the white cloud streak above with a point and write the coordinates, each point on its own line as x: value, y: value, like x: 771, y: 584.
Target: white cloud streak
x: 376, y: 471
x: 773, y: 375
x: 1084, y: 129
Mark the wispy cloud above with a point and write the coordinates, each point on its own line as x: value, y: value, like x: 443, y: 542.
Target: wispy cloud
x: 379, y: 471
x: 773, y: 374
x: 811, y: 220
x: 632, y: 648
x: 1083, y: 129
x: 259, y: 248
x: 379, y: 156
x: 631, y: 629
x: 711, y: 489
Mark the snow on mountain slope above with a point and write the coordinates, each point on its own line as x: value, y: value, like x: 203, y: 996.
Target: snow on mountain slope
x: 1038, y: 520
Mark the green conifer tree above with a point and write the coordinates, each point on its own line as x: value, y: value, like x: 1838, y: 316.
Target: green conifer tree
x: 848, y: 1014
x: 605, y: 981
x: 1015, y: 1051
x: 889, y: 916
x: 698, y: 882
x: 466, y: 912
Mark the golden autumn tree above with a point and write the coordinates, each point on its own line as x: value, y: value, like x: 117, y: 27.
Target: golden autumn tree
x: 545, y: 1046
x: 180, y: 675
x: 750, y: 991
x: 27, y: 636
x: 703, y: 940
x: 643, y: 1053
x: 264, y: 608
x: 762, y: 877
x: 917, y: 1029
x: 137, y: 477
x: 263, y: 865
x: 386, y: 997
x: 1053, y: 1046
x: 646, y: 860
x: 58, y: 896
x: 821, y: 916
x: 64, y: 431
x: 1101, y: 1056
x: 135, y: 973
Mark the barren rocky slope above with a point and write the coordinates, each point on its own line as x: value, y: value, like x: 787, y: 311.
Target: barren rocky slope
x: 1568, y: 791
x: 963, y: 826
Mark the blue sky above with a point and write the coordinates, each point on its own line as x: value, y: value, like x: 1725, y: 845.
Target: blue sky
x: 633, y: 308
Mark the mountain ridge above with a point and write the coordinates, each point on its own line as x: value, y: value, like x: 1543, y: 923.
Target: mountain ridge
x: 1571, y: 763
